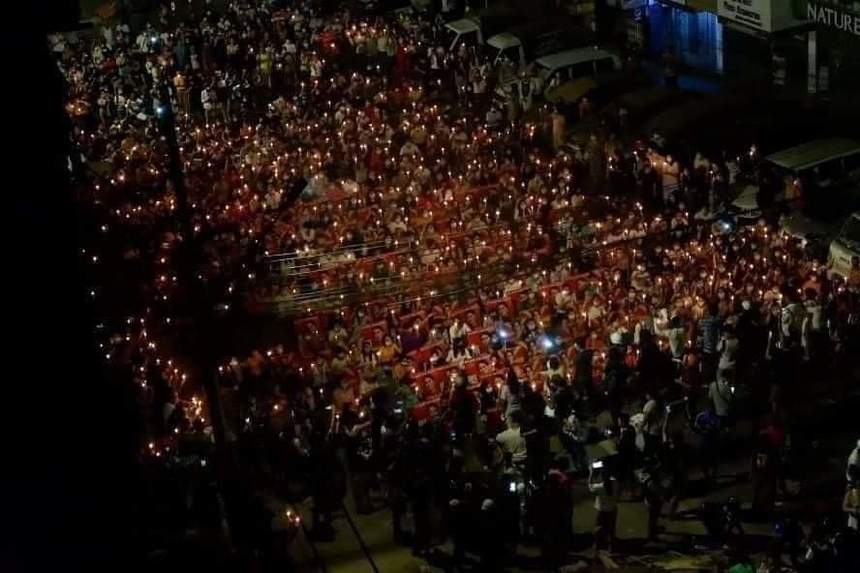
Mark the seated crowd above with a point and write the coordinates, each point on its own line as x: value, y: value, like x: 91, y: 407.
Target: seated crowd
x: 444, y: 271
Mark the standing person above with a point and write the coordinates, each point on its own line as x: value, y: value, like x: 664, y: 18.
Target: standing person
x: 180, y: 84
x: 554, y: 518
x: 421, y: 494
x: 764, y: 476
x: 653, y: 497
x: 728, y: 349
x: 489, y: 535
x: 583, y: 374
x: 465, y: 410
x: 361, y: 457
x: 625, y: 460
x: 670, y: 70
x: 510, y: 395
x: 813, y: 325
x: 788, y: 535
x: 707, y: 426
x: 207, y: 99
x: 652, y: 192
x: 402, y: 63
x: 615, y: 377
x: 462, y: 526
x: 600, y: 483
x: 512, y: 442
x: 851, y: 501
x: 853, y: 460
x: 652, y: 423
x: 709, y: 331
x: 327, y: 484
x: 720, y: 393
x: 585, y: 108
x: 558, y: 129
x: 674, y: 464
x: 398, y: 483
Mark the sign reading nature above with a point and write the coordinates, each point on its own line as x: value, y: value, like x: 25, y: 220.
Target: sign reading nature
x: 834, y: 16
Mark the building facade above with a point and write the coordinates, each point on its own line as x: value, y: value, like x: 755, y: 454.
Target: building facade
x: 811, y: 45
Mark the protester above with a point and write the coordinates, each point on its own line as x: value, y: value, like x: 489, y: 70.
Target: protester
x: 600, y: 483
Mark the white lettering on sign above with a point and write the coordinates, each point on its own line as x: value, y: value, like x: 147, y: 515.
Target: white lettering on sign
x: 834, y: 18
x: 753, y: 13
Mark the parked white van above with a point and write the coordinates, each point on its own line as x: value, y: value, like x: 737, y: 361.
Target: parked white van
x: 475, y: 25
x: 846, y: 246
x: 572, y: 64
x: 825, y: 165
x: 537, y: 38
x: 554, y: 69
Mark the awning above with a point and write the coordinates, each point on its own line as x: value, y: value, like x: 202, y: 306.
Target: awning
x: 811, y: 154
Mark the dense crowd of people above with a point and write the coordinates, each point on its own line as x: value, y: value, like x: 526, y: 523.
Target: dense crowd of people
x: 482, y: 315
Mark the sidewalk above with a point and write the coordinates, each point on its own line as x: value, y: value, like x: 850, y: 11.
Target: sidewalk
x: 688, y: 80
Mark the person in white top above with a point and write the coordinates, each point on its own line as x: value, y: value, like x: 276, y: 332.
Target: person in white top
x: 652, y: 421
x: 600, y: 483
x: 720, y: 393
x: 206, y: 98
x: 512, y: 442
x: 813, y: 324
x: 853, y: 460
x: 728, y: 349
x: 674, y: 331
x: 458, y: 329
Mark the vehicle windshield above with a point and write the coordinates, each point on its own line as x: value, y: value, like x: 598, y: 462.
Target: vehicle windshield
x: 851, y: 230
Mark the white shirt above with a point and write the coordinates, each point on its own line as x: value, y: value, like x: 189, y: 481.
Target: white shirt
x: 653, y: 422
x: 458, y: 331
x: 602, y: 500
x: 813, y: 320
x: 512, y: 442
x: 720, y: 394
x: 729, y: 348
x: 853, y: 459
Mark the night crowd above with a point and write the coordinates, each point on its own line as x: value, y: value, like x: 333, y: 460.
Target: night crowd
x: 485, y: 319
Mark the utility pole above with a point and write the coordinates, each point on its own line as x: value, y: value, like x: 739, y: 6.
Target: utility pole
x: 198, y: 307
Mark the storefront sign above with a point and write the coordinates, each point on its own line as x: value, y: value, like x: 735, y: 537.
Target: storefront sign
x: 753, y: 13
x: 834, y: 17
